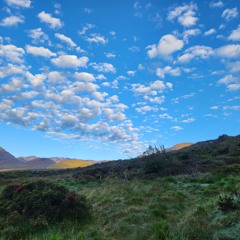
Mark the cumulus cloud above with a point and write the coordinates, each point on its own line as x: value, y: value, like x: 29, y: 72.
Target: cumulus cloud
x: 70, y: 61
x: 96, y: 38
x: 161, y: 72
x: 165, y: 116
x: 65, y: 39
x: 12, y: 69
x: 40, y: 51
x: 229, y: 14
x: 12, y: 21
x: 167, y: 45
x: 152, y: 89
x: 189, y: 120
x: 38, y: 35
x: 185, y: 15
x: 35, y: 80
x: 190, y: 32
x: 229, y: 51
x: 210, y: 32
x: 232, y: 83
x: 104, y: 67
x: 218, y: 4
x: 84, y: 76
x: 12, y: 53
x: 177, y: 128
x: 48, y: 19
x: 235, y: 35
x: 113, y: 116
x: 86, y: 28
x: 19, y: 3
x: 199, y: 52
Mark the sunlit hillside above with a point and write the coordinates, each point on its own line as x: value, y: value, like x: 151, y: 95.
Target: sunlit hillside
x: 72, y: 164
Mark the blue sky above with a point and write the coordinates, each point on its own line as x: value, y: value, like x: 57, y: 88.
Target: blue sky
x: 104, y: 79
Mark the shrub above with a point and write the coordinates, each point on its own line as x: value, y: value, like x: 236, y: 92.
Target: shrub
x: 228, y: 202
x: 36, y: 205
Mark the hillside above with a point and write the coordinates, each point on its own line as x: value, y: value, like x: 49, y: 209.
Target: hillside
x: 179, y: 146
x: 71, y: 164
x: 203, y: 156
x: 39, y: 163
x: 7, y: 160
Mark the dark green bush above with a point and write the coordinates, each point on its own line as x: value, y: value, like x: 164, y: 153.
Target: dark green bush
x: 162, y: 166
x: 228, y: 202
x: 35, y: 205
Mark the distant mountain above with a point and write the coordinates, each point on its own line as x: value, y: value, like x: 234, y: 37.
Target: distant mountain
x: 29, y: 158
x: 179, y: 146
x: 39, y: 163
x: 7, y: 160
x: 72, y: 164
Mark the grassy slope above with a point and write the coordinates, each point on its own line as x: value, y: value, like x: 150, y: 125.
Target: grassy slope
x: 71, y: 164
x: 148, y: 206
x: 181, y: 207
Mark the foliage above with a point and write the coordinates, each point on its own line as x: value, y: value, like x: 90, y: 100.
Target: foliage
x: 36, y: 205
x: 229, y: 202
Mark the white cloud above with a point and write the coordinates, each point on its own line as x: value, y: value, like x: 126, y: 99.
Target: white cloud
x: 84, y: 76
x: 35, y: 80
x: 235, y: 35
x: 110, y: 55
x: 40, y: 51
x: 167, y: 45
x: 12, y: 53
x: 112, y: 116
x: 232, y: 83
x: 214, y: 107
x: 234, y: 66
x: 88, y: 10
x: 86, y: 28
x: 65, y: 39
x: 131, y: 73
x: 190, y: 32
x: 189, y: 120
x: 12, y: 21
x: 152, y: 89
x: 56, y: 77
x: 199, y: 52
x: 230, y: 14
x: 19, y: 3
x: 11, y: 69
x: 177, y: 128
x: 218, y: 4
x: 185, y: 15
x: 104, y: 67
x: 96, y: 38
x: 229, y: 51
x: 233, y: 87
x: 70, y: 61
x: 51, y: 21
x: 134, y: 49
x: 210, y: 32
x: 228, y: 79
x: 188, y: 19
x: 165, y: 116
x: 161, y: 72
x: 38, y: 35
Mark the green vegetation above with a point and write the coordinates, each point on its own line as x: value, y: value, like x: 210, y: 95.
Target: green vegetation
x: 189, y: 194
x: 28, y: 207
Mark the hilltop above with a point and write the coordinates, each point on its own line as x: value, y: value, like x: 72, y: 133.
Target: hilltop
x: 199, y: 157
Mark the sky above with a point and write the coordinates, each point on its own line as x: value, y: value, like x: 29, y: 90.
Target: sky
x: 105, y: 79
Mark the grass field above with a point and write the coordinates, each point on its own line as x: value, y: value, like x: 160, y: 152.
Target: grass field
x: 180, y: 207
